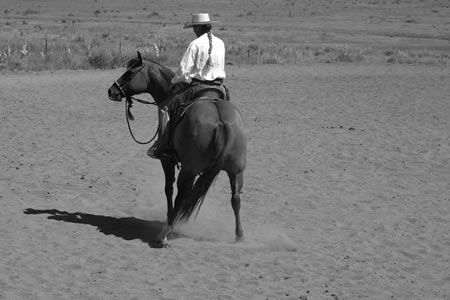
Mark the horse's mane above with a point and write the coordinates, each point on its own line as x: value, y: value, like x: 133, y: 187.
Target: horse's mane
x: 163, y: 69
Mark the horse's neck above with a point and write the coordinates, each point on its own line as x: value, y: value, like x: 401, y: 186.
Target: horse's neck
x: 159, y: 84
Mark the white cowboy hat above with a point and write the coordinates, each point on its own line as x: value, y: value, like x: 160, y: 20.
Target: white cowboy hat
x: 199, y: 19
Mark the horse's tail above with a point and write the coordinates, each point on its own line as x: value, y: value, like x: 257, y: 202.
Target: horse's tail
x: 223, y: 138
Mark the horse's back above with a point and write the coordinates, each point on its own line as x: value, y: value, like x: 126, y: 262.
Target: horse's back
x: 195, y: 134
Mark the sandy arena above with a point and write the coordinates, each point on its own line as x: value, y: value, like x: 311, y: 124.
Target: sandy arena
x: 346, y: 191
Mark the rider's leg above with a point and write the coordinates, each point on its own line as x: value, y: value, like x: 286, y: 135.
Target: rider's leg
x: 161, y: 148
x: 163, y: 119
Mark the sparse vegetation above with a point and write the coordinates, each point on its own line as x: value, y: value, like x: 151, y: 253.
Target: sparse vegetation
x: 341, y: 53
x: 414, y: 56
x: 105, y: 37
x: 30, y: 11
x: 80, y: 53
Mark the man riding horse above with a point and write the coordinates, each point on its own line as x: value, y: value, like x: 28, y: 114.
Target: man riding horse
x: 201, y: 72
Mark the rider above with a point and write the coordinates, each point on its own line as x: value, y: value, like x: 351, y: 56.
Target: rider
x: 202, y: 65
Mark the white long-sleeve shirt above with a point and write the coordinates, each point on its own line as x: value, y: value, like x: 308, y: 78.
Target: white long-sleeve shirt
x: 194, y: 63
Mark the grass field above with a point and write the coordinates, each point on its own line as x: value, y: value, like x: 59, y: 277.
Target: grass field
x: 50, y: 34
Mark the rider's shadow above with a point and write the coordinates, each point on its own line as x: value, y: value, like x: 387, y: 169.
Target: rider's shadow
x: 126, y: 228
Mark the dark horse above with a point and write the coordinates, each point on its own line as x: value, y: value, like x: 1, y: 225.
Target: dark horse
x: 209, y: 138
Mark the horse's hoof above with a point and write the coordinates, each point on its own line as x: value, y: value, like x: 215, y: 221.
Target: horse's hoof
x: 160, y: 244
x: 239, y: 239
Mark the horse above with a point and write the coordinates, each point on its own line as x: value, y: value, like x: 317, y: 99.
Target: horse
x: 209, y: 138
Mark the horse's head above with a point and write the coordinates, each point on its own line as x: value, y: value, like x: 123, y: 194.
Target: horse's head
x: 132, y: 82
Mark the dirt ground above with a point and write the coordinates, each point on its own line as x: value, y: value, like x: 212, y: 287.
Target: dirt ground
x: 346, y: 191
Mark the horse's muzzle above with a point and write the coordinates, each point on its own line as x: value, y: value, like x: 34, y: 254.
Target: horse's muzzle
x: 114, y: 95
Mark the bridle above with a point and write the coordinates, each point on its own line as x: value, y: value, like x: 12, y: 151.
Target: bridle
x: 127, y: 77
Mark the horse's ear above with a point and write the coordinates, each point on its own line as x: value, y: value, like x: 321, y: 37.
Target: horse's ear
x: 139, y: 57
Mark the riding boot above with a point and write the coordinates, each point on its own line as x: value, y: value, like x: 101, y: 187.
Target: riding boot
x: 158, y: 149
x: 163, y: 150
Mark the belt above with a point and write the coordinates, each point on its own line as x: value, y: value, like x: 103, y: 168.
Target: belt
x: 217, y: 81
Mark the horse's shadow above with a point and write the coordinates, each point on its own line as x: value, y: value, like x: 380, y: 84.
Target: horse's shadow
x: 126, y: 228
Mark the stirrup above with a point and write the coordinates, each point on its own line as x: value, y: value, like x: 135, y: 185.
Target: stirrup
x: 156, y: 153
x: 152, y: 152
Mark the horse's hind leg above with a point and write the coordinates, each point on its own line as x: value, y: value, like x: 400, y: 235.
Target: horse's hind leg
x: 236, y: 182
x: 169, y: 173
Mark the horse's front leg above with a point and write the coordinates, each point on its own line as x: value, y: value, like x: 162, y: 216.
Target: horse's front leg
x: 169, y: 173
x: 162, y: 237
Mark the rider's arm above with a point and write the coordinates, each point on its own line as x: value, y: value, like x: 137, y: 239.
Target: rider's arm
x: 187, y: 65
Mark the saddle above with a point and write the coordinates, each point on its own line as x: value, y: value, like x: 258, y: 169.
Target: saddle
x: 211, y: 93
x: 208, y: 92
x: 211, y: 89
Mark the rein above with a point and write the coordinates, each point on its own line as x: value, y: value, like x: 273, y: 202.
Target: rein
x: 129, y: 100
x: 129, y: 116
